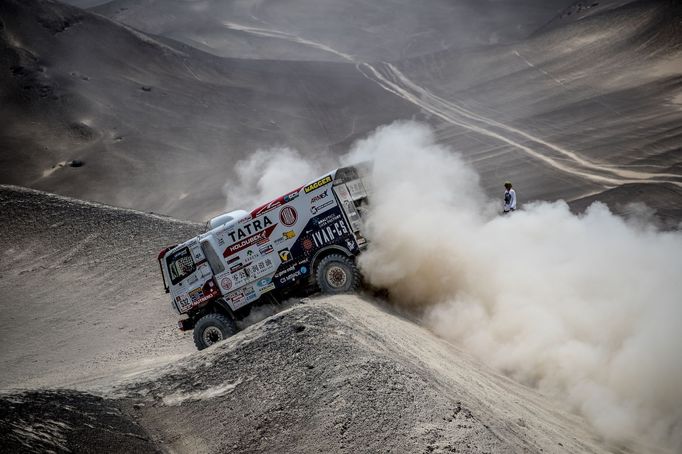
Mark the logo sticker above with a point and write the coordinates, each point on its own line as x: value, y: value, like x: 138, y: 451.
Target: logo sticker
x: 318, y: 184
x: 252, y: 227
x: 285, y: 255
x: 288, y: 216
x: 288, y: 234
x: 308, y: 244
x: 319, y: 197
x: 226, y: 283
x: 259, y: 238
x: 267, y: 249
x: 330, y: 233
x: 317, y: 209
x: 264, y: 282
x: 292, y: 196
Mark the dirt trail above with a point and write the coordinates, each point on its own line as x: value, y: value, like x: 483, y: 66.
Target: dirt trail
x: 564, y: 160
x: 390, y: 78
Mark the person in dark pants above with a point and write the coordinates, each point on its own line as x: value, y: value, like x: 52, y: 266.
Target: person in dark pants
x: 509, y: 198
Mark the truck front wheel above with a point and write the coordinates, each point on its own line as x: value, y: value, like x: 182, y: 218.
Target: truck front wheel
x: 212, y: 328
x: 337, y: 274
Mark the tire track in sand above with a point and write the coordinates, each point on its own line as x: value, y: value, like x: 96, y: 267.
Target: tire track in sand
x: 391, y: 79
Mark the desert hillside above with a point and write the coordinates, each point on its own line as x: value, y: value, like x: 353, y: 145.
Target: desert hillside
x: 80, y: 289
x: 582, y: 105
x: 333, y: 374
x: 544, y: 319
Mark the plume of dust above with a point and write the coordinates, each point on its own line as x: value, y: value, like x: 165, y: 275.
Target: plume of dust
x: 588, y: 307
x: 268, y: 174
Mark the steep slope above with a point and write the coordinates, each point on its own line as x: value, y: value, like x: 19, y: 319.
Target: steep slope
x: 157, y: 124
x: 80, y: 290
x: 368, y: 30
x: 589, y: 103
x: 83, y: 309
x: 334, y: 375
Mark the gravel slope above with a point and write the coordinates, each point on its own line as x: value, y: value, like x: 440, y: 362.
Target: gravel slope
x: 80, y: 290
x: 83, y: 312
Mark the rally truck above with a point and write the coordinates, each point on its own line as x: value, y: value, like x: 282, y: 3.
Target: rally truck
x: 308, y: 237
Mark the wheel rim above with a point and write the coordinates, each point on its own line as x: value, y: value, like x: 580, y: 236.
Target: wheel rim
x: 211, y: 335
x: 336, y: 276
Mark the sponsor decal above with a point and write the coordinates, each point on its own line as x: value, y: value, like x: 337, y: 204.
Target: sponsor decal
x: 289, y: 197
x: 289, y: 234
x: 267, y: 288
x: 284, y: 255
x: 267, y: 249
x: 237, y: 297
x: 275, y: 203
x: 288, y: 216
x: 240, y: 277
x: 195, y: 294
x: 308, y: 244
x: 265, y: 285
x: 330, y: 233
x: 319, y: 197
x: 250, y: 293
x: 202, y: 299
x: 249, y: 229
x: 327, y: 220
x: 260, y: 238
x: 264, y: 282
x: 260, y: 268
x: 221, y: 241
x: 236, y: 267
x: 291, y: 271
x: 318, y: 184
x: 267, y: 207
x: 233, y: 259
x: 184, y: 304
x: 226, y: 283
x: 317, y: 209
x: 292, y: 276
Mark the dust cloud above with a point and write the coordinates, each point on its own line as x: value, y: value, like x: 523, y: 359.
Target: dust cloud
x: 585, y: 307
x: 268, y: 174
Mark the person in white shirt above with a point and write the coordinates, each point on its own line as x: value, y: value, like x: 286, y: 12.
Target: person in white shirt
x: 509, y: 198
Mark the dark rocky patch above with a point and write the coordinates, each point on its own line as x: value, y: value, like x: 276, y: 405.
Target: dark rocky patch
x: 68, y: 421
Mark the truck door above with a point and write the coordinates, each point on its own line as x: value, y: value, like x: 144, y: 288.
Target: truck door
x: 189, y: 272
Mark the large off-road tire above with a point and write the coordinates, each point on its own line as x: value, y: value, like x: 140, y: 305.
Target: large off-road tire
x: 337, y: 274
x: 212, y: 328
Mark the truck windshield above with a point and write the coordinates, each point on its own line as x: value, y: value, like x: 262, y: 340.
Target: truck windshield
x: 180, y: 265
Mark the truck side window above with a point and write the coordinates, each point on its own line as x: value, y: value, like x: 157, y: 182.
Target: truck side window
x: 212, y: 257
x: 180, y: 265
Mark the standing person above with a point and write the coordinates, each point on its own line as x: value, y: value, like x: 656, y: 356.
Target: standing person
x: 509, y: 198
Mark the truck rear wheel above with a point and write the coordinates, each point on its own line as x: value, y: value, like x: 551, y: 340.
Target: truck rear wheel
x: 337, y: 274
x: 212, y: 328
